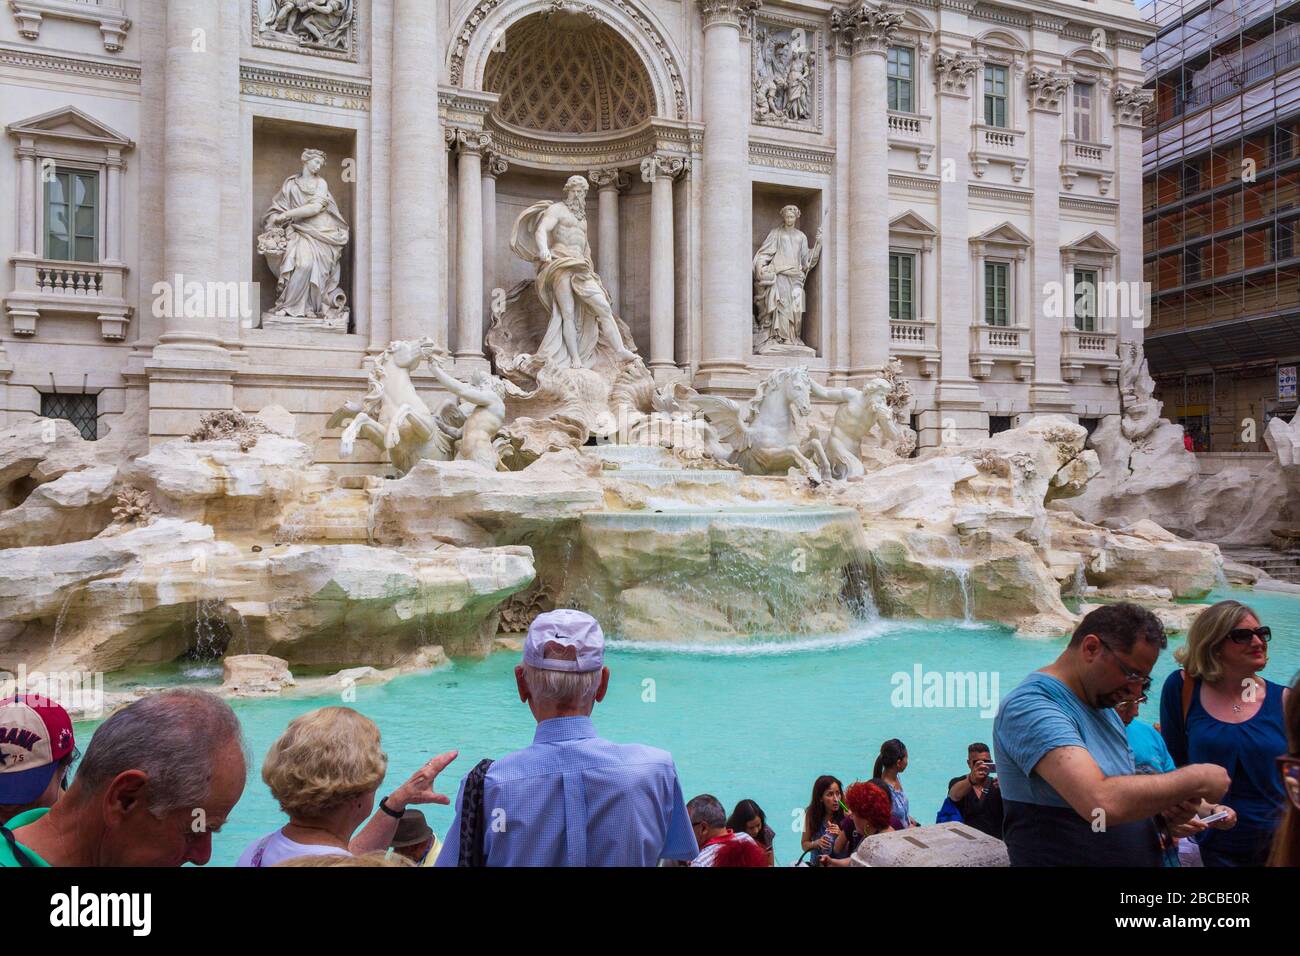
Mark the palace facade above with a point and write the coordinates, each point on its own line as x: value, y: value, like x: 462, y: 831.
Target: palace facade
x: 973, y: 170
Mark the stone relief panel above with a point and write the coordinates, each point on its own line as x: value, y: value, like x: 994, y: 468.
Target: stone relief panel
x: 786, y: 75
x: 318, y: 27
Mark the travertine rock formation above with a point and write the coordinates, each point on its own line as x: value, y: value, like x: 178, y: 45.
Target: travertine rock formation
x: 151, y: 594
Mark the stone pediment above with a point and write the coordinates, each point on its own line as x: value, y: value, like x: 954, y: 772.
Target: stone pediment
x: 910, y: 224
x: 70, y: 125
x: 1093, y: 242
x: 1005, y: 234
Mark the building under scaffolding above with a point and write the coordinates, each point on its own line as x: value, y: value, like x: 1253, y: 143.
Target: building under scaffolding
x: 1221, y: 166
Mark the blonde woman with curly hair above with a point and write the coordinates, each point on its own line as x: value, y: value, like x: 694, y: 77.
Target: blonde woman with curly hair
x: 1219, y: 710
x: 324, y: 771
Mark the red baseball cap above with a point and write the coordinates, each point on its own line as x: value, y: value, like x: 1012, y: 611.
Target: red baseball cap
x: 35, y: 734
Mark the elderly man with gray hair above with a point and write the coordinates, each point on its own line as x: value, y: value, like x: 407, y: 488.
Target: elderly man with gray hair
x: 158, y: 779
x: 719, y: 844
x: 571, y: 798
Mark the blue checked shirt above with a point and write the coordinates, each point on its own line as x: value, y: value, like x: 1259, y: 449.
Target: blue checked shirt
x: 574, y: 799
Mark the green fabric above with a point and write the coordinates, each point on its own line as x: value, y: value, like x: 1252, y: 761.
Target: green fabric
x: 7, y: 857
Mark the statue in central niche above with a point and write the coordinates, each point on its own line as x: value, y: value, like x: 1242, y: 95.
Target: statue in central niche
x: 553, y: 236
x: 781, y: 266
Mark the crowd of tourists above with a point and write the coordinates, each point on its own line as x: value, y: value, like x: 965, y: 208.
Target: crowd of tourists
x: 1072, y: 776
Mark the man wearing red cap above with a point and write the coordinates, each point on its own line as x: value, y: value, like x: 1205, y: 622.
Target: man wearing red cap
x: 159, y: 778
x: 36, y: 750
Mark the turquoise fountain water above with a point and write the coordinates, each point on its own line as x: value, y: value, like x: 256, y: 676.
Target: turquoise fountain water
x: 757, y: 720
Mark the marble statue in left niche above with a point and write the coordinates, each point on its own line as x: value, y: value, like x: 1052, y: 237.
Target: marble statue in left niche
x: 303, y: 238
x: 324, y: 25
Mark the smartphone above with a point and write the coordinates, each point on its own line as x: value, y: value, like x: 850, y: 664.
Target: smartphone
x: 1213, y: 817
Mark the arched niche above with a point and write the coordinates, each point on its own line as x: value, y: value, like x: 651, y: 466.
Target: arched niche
x: 487, y: 24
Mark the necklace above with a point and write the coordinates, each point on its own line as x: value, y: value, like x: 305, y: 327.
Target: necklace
x: 325, y: 830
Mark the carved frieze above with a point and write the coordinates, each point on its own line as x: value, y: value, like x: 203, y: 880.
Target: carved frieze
x: 315, y: 89
x: 807, y: 159
x: 787, y: 78
x: 325, y: 28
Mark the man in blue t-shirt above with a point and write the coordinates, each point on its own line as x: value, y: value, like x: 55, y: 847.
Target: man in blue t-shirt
x: 1070, y: 792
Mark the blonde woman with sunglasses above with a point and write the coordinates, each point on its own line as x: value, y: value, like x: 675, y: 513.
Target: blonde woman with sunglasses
x: 1218, y: 709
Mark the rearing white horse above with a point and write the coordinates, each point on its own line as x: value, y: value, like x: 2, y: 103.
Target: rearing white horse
x: 765, y: 436
x: 392, y: 415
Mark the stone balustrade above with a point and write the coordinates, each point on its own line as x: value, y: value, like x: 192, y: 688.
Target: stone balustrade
x: 50, y: 286
x: 913, y: 131
x: 1079, y: 157
x: 1080, y: 349
x: 994, y: 144
x: 1000, y: 343
x: 916, y: 338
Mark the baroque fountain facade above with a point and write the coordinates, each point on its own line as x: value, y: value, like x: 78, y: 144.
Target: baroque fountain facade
x: 676, y: 312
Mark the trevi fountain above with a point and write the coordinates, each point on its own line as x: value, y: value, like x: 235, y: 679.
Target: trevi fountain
x: 765, y: 560
x: 802, y: 521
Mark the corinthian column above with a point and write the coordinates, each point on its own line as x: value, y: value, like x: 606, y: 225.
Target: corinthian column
x: 192, y: 170
x: 470, y: 145
x: 868, y: 29
x: 1130, y: 103
x: 494, y: 165
x: 608, y: 183
x: 957, y: 415
x: 1046, y: 89
x: 418, y: 168
x: 727, y: 312
x: 659, y: 172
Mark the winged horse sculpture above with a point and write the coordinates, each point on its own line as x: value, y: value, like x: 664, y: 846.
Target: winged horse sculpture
x: 767, y: 434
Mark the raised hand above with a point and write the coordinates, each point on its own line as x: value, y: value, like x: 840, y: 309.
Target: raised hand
x: 419, y: 786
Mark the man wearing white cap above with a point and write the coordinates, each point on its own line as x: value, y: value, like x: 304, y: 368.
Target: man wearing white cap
x: 572, y: 798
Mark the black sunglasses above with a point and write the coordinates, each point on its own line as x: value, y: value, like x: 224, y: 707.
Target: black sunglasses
x: 1244, y: 635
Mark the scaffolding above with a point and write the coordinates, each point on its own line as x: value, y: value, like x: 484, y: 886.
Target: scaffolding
x: 1221, y: 163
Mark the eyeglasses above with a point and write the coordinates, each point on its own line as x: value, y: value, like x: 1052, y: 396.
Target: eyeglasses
x: 1289, y: 769
x: 66, y: 769
x: 1140, y: 700
x: 1244, y: 635
x: 1132, y: 676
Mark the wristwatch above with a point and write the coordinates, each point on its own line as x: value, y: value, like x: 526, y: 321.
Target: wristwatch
x: 395, y: 814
